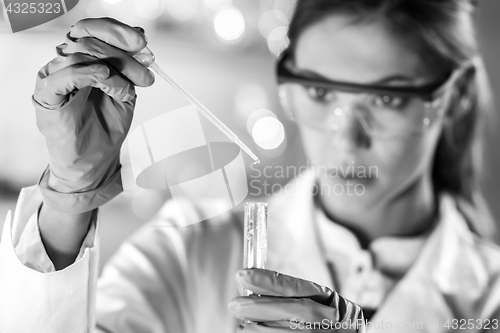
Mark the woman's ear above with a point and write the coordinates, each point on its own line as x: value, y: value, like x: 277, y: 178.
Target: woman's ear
x: 284, y: 101
x: 463, y: 96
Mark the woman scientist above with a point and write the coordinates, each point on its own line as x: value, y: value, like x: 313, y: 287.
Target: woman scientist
x: 389, y: 84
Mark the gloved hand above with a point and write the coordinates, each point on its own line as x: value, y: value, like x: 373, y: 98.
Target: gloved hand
x: 283, y: 303
x: 84, y: 101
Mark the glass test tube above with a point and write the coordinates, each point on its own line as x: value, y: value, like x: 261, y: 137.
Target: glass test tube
x: 255, y: 237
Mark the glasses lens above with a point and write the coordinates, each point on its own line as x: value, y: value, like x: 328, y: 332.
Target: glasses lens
x: 379, y: 114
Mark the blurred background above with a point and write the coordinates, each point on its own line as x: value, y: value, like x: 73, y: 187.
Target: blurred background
x: 223, y: 52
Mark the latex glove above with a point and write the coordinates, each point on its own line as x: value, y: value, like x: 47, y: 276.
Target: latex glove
x: 84, y: 101
x: 289, y: 304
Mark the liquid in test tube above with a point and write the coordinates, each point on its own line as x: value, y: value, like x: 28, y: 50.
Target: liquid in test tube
x: 255, y: 237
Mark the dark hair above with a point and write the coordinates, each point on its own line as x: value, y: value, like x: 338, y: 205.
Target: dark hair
x: 442, y: 31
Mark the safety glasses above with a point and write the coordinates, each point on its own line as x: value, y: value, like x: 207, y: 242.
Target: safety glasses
x: 386, y: 111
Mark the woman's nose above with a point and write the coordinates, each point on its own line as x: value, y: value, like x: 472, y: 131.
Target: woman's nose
x: 346, y: 127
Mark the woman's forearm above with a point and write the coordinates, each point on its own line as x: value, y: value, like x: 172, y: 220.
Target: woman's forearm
x: 62, y: 234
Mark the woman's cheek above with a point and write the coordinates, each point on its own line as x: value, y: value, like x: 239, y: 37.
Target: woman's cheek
x: 314, y: 145
x: 400, y: 160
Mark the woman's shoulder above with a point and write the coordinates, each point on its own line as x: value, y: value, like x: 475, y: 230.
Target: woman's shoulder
x: 481, y: 226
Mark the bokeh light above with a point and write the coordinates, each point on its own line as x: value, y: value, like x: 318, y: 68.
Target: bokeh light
x: 277, y: 40
x: 149, y: 9
x: 94, y: 9
x: 272, y: 153
x: 182, y: 10
x: 229, y: 24
x: 256, y: 115
x: 215, y: 5
x: 270, y: 20
x: 249, y: 98
x: 268, y: 133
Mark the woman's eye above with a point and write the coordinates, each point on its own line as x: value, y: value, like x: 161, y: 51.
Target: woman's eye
x: 319, y: 94
x: 390, y: 101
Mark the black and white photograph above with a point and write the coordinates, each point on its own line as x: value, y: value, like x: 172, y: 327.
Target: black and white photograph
x: 255, y: 166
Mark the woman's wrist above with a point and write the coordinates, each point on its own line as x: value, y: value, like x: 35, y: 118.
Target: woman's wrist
x: 76, y: 203
x: 62, y: 234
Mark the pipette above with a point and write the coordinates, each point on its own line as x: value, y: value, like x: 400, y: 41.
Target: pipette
x: 147, y: 58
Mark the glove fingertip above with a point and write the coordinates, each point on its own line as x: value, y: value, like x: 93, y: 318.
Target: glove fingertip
x: 243, y: 275
x: 143, y: 33
x: 152, y: 78
x: 60, y: 49
x: 146, y: 79
x: 233, y: 306
x: 136, y: 40
x: 141, y: 29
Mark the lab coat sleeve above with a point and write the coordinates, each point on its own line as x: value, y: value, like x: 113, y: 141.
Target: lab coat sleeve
x: 490, y: 317
x: 153, y: 283
x: 171, y: 276
x: 30, y: 249
x: 43, y: 301
x: 490, y: 302
x: 147, y: 286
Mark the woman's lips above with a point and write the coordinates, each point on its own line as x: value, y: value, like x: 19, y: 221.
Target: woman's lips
x: 351, y: 173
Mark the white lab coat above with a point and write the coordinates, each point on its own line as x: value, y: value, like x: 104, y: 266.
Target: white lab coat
x: 167, y: 279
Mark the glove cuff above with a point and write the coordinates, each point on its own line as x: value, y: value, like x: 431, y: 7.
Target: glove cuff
x: 80, y: 202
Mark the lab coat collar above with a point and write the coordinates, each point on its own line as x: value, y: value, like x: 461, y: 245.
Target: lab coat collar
x: 446, y: 281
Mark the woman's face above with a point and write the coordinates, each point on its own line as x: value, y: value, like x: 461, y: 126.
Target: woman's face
x: 358, y: 169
